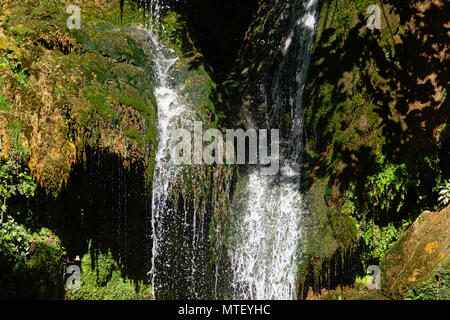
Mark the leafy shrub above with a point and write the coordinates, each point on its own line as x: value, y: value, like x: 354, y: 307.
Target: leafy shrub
x: 378, y: 240
x: 31, y: 263
x: 444, y: 194
x: 14, y: 238
x: 16, y: 67
x: 388, y: 187
x: 13, y: 181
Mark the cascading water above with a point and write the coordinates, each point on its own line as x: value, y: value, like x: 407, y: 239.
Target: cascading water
x: 265, y: 237
x: 178, y: 224
x: 169, y: 111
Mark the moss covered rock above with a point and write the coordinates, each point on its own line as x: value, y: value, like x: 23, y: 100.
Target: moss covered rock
x: 65, y: 94
x: 70, y: 89
x: 419, y: 261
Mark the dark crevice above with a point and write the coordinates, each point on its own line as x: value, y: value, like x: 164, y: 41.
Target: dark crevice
x: 218, y: 28
x: 105, y: 204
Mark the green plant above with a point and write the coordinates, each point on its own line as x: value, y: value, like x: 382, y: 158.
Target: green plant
x: 16, y: 67
x: 14, y: 177
x: 14, y: 180
x: 378, y: 240
x: 444, y: 194
x: 13, y: 238
x: 22, y: 78
x: 388, y: 187
x: 31, y: 263
x: 19, y: 152
x: 59, y: 92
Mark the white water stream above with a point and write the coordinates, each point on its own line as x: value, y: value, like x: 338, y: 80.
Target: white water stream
x: 267, y: 228
x: 172, y: 114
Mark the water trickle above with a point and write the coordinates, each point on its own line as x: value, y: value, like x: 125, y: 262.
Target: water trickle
x: 266, y: 224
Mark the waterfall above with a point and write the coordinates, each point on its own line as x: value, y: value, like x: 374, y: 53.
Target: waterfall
x: 169, y: 111
x: 266, y: 222
x: 265, y: 232
x: 179, y: 229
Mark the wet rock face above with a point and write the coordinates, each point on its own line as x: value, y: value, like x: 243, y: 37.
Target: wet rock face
x: 421, y: 254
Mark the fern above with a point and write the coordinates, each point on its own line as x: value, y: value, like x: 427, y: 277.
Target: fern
x: 444, y: 194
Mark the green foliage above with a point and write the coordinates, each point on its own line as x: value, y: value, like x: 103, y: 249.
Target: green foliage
x: 444, y: 194
x: 388, y: 187
x: 13, y: 181
x: 31, y: 263
x: 59, y: 92
x: 19, y: 152
x: 22, y: 78
x: 101, y: 279
x: 45, y: 268
x: 19, y: 72
x: 5, y: 105
x: 378, y: 240
x: 14, y: 238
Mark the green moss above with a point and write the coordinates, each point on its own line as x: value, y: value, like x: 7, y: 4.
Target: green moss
x: 436, y: 288
x: 96, y: 97
x: 111, y: 43
x: 175, y: 33
x: 45, y: 266
x: 93, y: 75
x: 139, y: 105
x: 101, y: 279
x: 321, y: 242
x: 199, y: 89
x: 5, y: 105
x: 134, y: 134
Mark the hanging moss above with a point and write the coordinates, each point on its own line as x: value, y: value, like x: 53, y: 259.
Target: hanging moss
x: 83, y: 81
